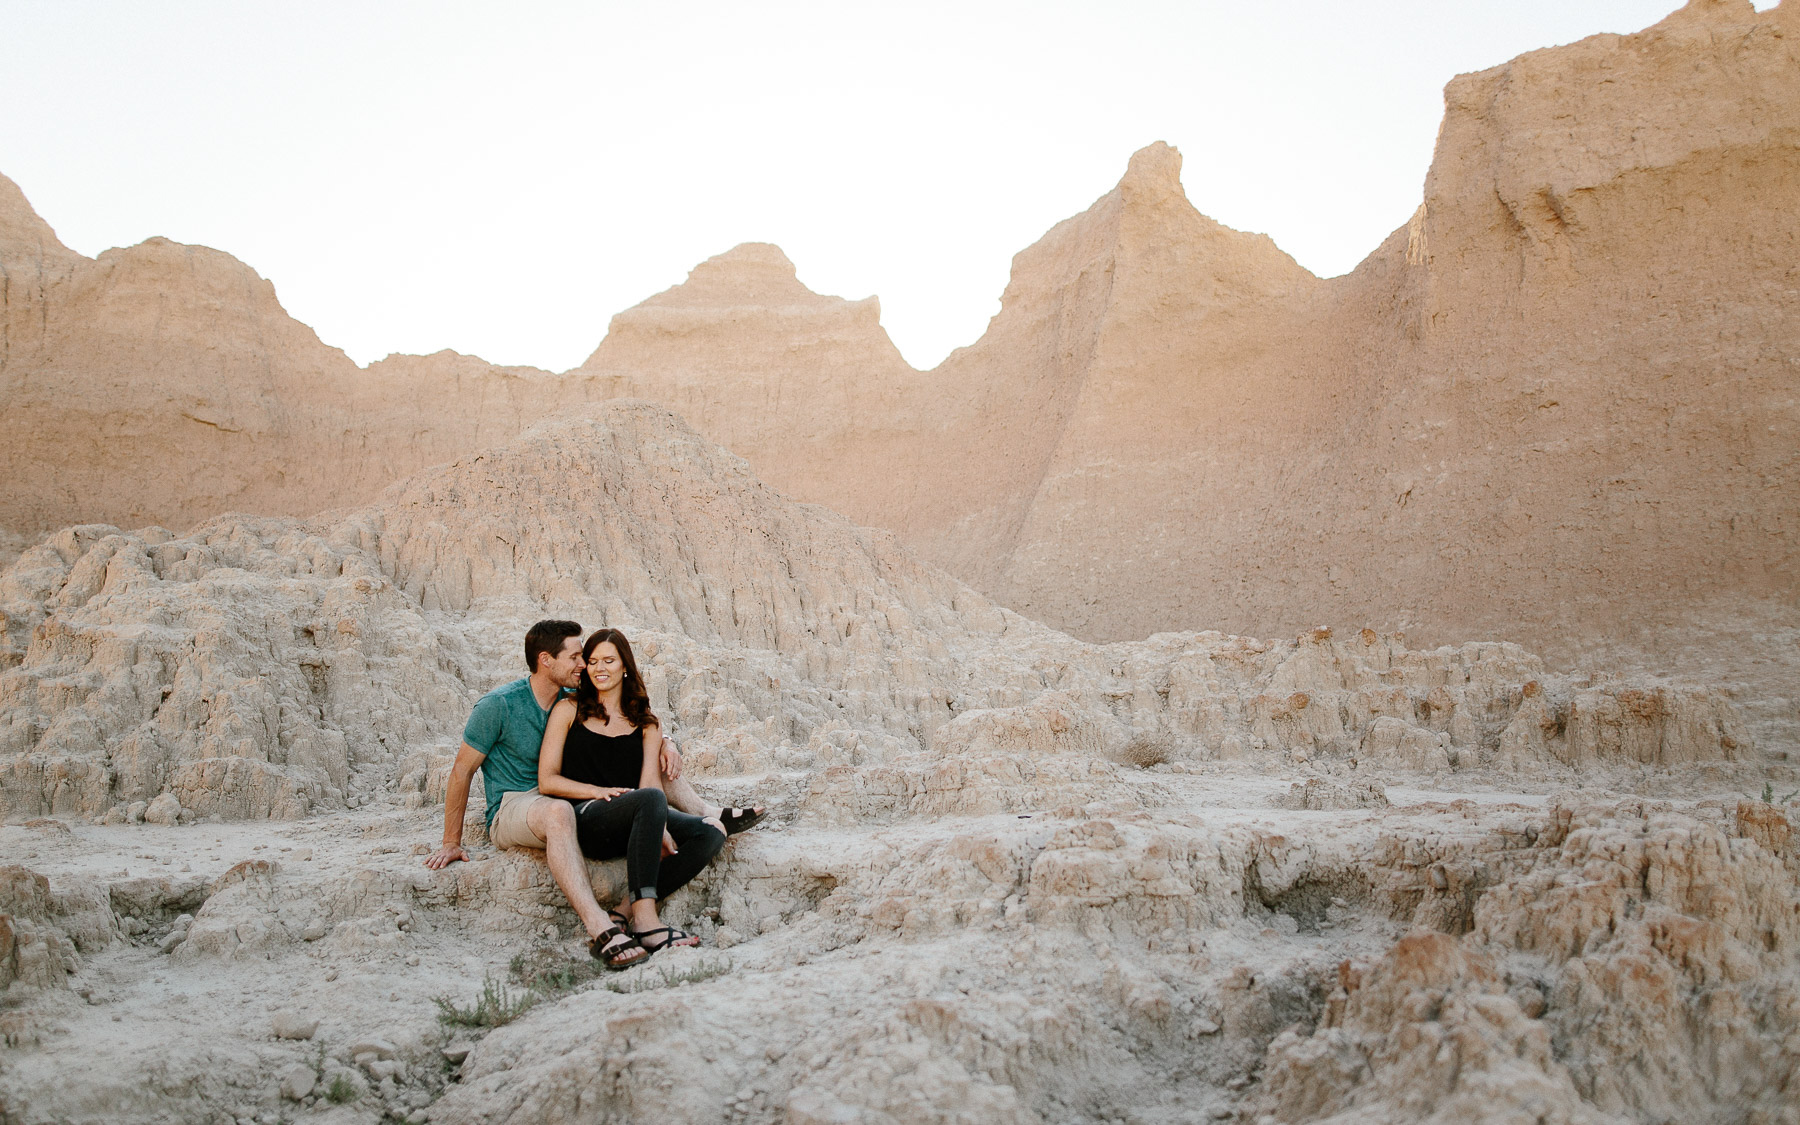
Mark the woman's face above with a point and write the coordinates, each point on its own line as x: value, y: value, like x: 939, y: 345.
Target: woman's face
x: 604, y: 667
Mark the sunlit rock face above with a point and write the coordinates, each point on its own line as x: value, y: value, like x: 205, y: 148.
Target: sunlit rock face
x: 1009, y: 873
x: 1195, y: 874
x: 251, y: 667
x: 1526, y: 416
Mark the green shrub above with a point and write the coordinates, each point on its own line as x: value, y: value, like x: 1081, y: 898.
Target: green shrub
x: 497, y: 1005
x: 1769, y: 798
x: 670, y: 978
x: 342, y: 1089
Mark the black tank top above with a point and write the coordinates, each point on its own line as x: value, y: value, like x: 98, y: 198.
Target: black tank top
x: 614, y: 761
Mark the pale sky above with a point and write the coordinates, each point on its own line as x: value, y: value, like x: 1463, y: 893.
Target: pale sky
x: 502, y: 178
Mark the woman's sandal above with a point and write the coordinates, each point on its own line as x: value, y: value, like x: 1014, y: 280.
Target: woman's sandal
x: 675, y: 937
x: 738, y: 818
x: 617, y: 957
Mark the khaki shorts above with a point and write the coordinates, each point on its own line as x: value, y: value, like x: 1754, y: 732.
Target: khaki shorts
x: 510, y: 828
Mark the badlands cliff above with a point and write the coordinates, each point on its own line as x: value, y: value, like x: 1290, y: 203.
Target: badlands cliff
x: 1012, y: 874
x: 1108, y: 868
x: 1555, y: 407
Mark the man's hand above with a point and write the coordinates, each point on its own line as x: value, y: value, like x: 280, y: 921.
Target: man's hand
x: 671, y: 760
x: 668, y: 847
x: 447, y: 855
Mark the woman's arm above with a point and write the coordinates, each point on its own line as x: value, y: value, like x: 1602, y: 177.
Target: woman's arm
x: 651, y: 777
x: 551, y: 782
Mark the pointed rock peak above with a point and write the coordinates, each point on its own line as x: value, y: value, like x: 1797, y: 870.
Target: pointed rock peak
x: 753, y: 255
x: 1154, y: 173
x: 1712, y: 11
x: 751, y: 273
x: 26, y: 240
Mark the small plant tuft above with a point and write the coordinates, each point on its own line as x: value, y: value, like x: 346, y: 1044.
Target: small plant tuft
x: 671, y: 978
x: 497, y: 1005
x: 342, y: 1089
x: 549, y: 972
x: 1144, y: 751
x: 1769, y: 798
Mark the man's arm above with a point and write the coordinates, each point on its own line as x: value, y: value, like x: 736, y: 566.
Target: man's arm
x: 679, y: 789
x: 456, y: 805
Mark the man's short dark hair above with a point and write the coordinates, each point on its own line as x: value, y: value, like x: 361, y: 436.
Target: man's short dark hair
x: 547, y: 636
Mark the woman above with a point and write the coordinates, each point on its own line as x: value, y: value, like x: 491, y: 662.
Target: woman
x: 600, y: 752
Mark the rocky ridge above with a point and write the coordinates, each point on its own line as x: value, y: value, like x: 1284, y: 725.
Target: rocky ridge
x: 1012, y: 874
x: 1523, y: 417
x: 249, y: 668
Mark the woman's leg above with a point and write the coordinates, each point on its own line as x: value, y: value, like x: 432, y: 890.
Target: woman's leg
x: 632, y: 824
x: 696, y: 843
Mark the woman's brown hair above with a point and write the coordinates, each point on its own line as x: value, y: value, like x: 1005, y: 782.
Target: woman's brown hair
x: 634, y: 701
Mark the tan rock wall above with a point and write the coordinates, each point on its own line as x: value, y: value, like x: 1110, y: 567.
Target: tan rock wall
x: 264, y: 667
x: 1554, y: 408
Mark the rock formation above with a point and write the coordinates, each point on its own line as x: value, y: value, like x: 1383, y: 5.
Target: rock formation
x: 1013, y: 874
x: 179, y: 362
x: 250, y: 667
x: 1528, y: 415
x: 808, y: 388
x: 1010, y: 874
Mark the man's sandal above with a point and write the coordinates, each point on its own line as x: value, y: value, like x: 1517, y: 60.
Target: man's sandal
x: 738, y: 818
x: 676, y: 937
x: 616, y: 957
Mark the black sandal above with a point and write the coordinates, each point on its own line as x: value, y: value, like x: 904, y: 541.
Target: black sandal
x: 614, y: 957
x: 675, y: 935
x: 739, y: 818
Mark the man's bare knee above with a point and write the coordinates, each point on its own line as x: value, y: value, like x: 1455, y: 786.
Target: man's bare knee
x: 553, y: 820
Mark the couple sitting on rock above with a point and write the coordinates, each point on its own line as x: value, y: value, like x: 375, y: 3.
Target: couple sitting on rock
x: 574, y: 763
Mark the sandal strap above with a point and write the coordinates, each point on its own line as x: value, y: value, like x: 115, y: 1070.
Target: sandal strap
x: 737, y: 818
x: 599, y: 946
x: 675, y: 935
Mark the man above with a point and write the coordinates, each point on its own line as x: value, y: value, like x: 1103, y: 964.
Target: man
x: 501, y: 740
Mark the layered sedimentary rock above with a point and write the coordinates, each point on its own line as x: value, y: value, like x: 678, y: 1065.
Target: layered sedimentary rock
x: 808, y: 388
x: 1554, y: 408
x: 250, y: 667
x: 1606, y: 958
x: 1009, y: 874
x: 164, y: 383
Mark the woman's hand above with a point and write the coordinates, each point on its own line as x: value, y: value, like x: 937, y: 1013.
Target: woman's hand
x: 668, y: 848
x: 602, y: 793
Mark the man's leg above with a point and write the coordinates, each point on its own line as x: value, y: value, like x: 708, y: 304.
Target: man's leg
x: 554, y: 823
x: 682, y: 798
x: 696, y: 843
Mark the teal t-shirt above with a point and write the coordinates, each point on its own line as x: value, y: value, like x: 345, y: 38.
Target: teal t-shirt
x: 508, y: 726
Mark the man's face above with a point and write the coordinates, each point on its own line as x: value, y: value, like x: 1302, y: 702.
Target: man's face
x: 564, y: 668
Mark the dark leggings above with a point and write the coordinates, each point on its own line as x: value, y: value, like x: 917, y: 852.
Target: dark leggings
x: 631, y: 825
